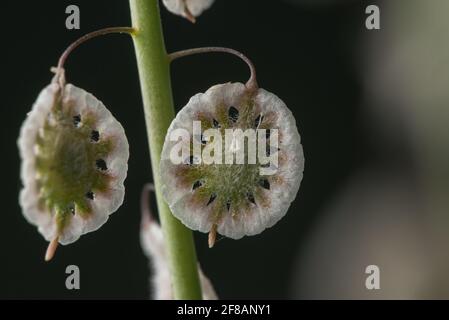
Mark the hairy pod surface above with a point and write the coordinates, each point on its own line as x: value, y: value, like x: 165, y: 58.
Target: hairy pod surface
x: 233, y: 199
x: 74, y: 162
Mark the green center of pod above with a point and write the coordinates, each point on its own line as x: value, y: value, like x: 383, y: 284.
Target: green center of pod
x: 70, y: 163
x: 229, y: 188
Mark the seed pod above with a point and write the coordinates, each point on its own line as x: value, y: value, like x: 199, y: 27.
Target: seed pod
x: 188, y: 9
x: 74, y: 162
x: 232, y: 199
x: 153, y: 244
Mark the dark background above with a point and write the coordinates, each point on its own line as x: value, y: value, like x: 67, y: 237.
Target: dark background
x: 305, y: 54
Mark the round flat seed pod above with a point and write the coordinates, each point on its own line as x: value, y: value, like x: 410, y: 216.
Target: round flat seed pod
x: 235, y: 199
x: 74, y: 162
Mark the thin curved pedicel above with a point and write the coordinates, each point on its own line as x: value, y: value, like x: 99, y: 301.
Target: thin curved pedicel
x: 74, y: 161
x: 234, y: 200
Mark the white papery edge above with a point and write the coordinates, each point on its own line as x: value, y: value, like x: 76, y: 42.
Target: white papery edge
x: 292, y: 173
x: 102, y: 205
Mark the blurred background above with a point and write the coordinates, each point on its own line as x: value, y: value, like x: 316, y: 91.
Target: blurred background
x: 371, y: 107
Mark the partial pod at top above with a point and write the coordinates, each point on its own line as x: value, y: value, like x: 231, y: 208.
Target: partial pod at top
x: 189, y: 9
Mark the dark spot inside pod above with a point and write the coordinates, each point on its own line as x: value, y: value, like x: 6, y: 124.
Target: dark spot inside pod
x: 215, y: 123
x: 228, y: 204
x: 267, y: 134
x: 203, y: 141
x: 101, y: 164
x: 264, y: 184
x: 197, y: 184
x: 211, y: 199
x: 258, y: 120
x: 190, y: 160
x: 233, y: 114
x: 90, y: 195
x: 95, y: 135
x: 76, y: 120
x: 250, y: 197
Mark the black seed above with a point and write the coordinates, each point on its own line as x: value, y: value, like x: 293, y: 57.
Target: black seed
x: 95, y: 135
x: 190, y: 160
x: 101, y: 164
x: 250, y: 197
x: 269, y: 150
x: 90, y: 195
x: 228, y: 204
x: 264, y: 184
x: 76, y: 120
x: 197, y: 184
x: 258, y: 121
x: 201, y: 139
x: 215, y: 123
x: 267, y: 134
x: 211, y: 199
x: 233, y: 114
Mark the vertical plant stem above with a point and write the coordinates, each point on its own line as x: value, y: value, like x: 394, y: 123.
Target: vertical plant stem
x: 154, y: 73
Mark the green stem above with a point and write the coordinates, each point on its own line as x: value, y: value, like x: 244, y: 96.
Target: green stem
x: 154, y: 73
